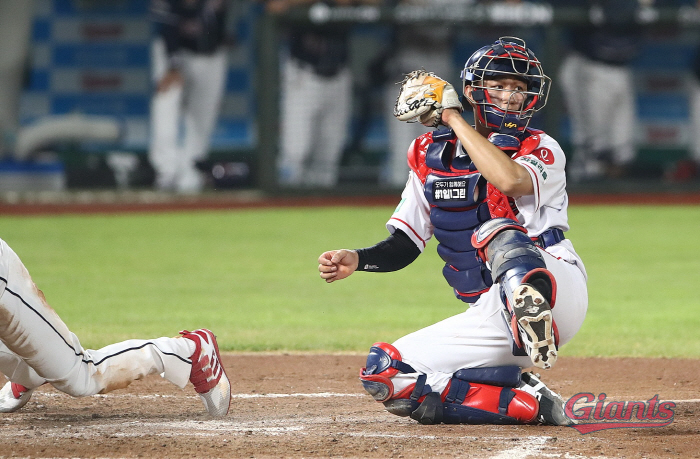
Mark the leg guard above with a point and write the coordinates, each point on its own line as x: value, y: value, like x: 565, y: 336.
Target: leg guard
x: 530, y: 289
x: 383, y: 363
x: 473, y: 396
x: 488, y: 396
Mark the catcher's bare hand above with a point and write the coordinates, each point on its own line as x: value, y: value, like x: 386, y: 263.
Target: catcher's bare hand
x: 337, y: 264
x: 423, y: 98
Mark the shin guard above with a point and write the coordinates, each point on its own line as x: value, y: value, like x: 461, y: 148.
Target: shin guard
x: 529, y: 288
x: 488, y: 396
x: 473, y: 396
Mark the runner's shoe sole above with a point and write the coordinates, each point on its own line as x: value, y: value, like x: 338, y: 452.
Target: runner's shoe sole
x: 534, y: 317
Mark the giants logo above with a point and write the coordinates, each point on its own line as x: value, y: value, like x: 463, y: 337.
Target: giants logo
x: 599, y: 415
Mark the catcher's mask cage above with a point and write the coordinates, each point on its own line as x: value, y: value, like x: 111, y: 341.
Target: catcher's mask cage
x: 508, y: 57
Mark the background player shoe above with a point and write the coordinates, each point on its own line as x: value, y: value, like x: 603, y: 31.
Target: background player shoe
x: 208, y: 375
x: 534, y: 316
x: 551, y: 410
x: 13, y: 397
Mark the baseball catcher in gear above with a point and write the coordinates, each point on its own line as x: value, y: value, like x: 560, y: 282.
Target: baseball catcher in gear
x: 493, y: 195
x: 423, y: 97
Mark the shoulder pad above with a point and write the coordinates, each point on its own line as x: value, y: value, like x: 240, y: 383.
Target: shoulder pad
x: 440, y: 135
x: 416, y: 155
x: 529, y: 145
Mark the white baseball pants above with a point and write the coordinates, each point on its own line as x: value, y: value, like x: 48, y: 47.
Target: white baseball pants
x: 480, y: 336
x: 36, y: 347
x: 193, y: 107
x: 601, y: 102
x: 314, y: 125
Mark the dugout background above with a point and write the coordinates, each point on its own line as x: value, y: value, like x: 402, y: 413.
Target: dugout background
x: 92, y: 58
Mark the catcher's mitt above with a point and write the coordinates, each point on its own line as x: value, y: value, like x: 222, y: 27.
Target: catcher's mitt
x: 423, y: 97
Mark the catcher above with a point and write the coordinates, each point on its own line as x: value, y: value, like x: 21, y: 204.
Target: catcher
x: 494, y: 196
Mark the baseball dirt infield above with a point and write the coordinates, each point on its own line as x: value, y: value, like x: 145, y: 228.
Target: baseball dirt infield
x: 301, y: 405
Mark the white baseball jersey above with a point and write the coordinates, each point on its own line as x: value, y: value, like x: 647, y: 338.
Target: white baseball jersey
x: 479, y: 337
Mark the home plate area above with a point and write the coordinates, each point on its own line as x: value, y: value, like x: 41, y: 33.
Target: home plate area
x: 312, y: 405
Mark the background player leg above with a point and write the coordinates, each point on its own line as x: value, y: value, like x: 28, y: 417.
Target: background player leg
x: 332, y: 132
x: 205, y: 89
x: 297, y: 122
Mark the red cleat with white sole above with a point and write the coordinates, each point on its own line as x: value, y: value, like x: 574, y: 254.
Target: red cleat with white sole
x: 208, y: 375
x: 13, y: 396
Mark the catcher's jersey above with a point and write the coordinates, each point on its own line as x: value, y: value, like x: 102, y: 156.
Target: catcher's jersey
x: 545, y: 208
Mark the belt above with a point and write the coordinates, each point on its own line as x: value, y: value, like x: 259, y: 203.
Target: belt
x: 549, y: 237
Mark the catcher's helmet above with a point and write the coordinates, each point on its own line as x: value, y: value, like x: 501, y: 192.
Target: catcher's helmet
x: 508, y: 57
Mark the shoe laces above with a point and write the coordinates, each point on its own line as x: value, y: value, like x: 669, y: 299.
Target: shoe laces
x: 206, y: 368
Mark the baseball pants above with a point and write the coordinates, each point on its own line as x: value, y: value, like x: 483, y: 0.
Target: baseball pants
x: 37, y: 347
x: 194, y: 107
x: 480, y: 336
x: 601, y: 102
x: 314, y: 125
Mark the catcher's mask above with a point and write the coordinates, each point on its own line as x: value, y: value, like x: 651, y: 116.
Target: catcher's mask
x: 508, y: 57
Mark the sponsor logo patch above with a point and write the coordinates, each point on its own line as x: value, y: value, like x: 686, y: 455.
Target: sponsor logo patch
x: 538, y: 165
x: 450, y: 190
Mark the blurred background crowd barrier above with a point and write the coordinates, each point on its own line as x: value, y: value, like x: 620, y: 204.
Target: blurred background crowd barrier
x: 82, y: 114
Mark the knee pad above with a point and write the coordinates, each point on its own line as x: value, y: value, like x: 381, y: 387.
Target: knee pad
x: 513, y: 257
x: 383, y: 363
x: 509, y: 247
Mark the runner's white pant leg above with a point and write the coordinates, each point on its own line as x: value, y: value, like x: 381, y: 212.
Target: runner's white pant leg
x: 17, y: 370
x: 35, y: 333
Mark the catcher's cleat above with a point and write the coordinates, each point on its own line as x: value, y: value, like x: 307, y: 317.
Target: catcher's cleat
x: 534, y: 318
x: 13, y: 396
x: 551, y: 411
x: 208, y: 375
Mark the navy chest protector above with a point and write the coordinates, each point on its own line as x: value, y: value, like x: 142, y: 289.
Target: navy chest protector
x: 456, y: 192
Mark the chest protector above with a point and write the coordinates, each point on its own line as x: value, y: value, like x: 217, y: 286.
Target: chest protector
x: 460, y: 201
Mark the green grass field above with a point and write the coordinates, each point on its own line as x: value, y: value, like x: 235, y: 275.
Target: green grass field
x: 251, y: 276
